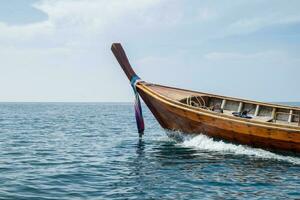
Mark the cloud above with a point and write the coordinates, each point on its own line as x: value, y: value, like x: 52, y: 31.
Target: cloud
x: 253, y: 24
x: 94, y: 17
x: 24, y: 32
x: 74, y: 41
x: 74, y: 23
x: 233, y: 56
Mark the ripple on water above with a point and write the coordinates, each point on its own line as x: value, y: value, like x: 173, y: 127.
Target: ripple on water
x: 91, y: 151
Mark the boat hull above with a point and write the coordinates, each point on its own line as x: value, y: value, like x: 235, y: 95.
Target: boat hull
x: 178, y: 118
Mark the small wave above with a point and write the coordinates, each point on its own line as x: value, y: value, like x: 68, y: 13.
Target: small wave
x: 203, y: 142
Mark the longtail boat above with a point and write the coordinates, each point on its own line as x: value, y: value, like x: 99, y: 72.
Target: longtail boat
x: 257, y: 124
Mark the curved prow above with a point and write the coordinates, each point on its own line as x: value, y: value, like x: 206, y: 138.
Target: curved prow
x: 120, y: 55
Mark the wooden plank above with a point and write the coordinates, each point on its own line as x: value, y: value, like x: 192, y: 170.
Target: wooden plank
x: 223, y: 104
x: 290, y: 116
x: 274, y: 113
x: 256, y: 110
x: 240, y: 107
x: 120, y: 55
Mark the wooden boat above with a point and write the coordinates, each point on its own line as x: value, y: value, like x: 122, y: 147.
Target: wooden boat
x: 257, y: 124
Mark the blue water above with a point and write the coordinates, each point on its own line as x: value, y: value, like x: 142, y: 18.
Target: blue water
x: 92, y: 151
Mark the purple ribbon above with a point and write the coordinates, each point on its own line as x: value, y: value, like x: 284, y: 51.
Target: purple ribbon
x: 137, y: 106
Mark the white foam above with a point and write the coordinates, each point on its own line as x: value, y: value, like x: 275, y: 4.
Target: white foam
x: 202, y: 142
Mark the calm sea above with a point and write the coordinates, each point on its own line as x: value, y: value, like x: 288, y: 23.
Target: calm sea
x: 92, y: 151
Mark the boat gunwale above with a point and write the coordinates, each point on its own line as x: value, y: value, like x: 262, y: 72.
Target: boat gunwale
x: 273, y: 105
x: 172, y: 102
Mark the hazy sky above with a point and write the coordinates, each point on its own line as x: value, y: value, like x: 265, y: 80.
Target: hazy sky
x: 59, y: 50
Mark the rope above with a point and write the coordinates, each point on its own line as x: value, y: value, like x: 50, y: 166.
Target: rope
x: 189, y: 101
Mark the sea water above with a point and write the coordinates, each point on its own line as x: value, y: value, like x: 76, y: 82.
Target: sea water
x: 92, y: 151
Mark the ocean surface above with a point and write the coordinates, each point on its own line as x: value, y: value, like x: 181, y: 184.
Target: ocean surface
x: 92, y: 151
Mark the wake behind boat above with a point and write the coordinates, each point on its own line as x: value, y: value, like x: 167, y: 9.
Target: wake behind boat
x: 257, y: 124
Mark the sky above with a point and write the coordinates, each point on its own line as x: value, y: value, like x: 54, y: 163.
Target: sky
x: 59, y: 50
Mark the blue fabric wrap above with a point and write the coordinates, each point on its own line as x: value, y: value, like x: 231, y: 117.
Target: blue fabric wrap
x: 137, y: 107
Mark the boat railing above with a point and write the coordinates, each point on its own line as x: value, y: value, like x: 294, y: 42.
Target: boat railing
x: 289, y: 114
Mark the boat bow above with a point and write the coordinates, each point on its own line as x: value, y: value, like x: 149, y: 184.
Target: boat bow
x: 120, y: 55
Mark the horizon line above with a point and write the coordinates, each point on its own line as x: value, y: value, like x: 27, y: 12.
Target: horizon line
x: 111, y: 101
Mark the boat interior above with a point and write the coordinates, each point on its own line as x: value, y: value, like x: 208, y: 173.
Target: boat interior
x: 240, y: 108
